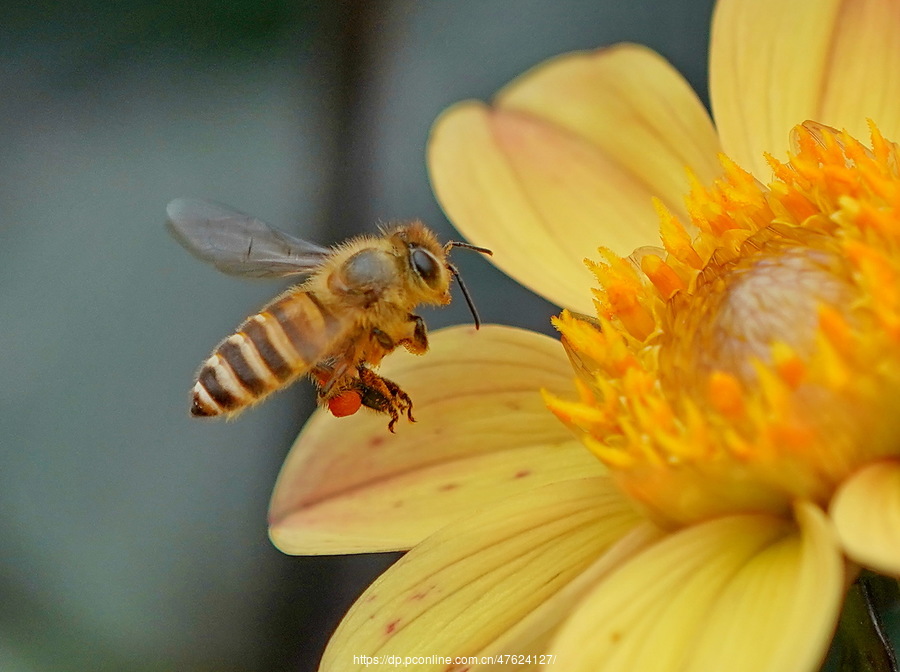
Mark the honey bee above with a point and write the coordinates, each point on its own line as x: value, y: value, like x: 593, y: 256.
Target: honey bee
x: 353, y: 305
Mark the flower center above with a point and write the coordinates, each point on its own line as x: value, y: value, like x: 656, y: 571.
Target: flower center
x: 737, y: 311
x: 755, y: 363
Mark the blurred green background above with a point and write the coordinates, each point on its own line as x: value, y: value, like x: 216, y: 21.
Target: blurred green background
x: 132, y: 538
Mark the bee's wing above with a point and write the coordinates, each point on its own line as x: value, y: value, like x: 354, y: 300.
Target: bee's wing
x: 239, y: 244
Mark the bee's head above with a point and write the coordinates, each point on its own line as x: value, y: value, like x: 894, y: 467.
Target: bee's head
x: 425, y: 260
x: 429, y: 261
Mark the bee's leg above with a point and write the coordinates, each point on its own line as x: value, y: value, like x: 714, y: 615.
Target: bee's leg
x: 322, y: 376
x: 418, y: 343
x: 378, y: 401
x: 326, y: 377
x: 400, y: 399
x: 340, y: 393
x: 384, y: 396
x: 384, y: 339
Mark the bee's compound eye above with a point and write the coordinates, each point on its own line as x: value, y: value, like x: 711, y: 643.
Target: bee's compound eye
x: 425, y: 264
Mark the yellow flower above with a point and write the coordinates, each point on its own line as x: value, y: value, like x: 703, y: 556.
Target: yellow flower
x: 735, y: 388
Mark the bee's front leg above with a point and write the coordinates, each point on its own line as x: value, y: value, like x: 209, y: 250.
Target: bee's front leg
x: 417, y: 344
x: 412, y: 335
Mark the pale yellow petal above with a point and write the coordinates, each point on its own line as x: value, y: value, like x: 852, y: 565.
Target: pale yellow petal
x: 776, y: 64
x: 499, y: 176
x: 779, y: 611
x: 768, y: 68
x: 866, y: 512
x: 863, y: 77
x: 482, y: 433
x: 536, y: 631
x: 636, y: 110
x: 744, y: 593
x: 464, y: 586
x: 569, y: 159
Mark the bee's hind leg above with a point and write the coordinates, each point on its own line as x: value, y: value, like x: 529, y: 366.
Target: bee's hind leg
x: 384, y: 396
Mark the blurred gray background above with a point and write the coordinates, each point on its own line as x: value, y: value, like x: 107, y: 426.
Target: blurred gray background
x: 132, y: 538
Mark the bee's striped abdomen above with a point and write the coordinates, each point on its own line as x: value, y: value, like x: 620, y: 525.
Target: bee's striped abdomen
x: 268, y: 351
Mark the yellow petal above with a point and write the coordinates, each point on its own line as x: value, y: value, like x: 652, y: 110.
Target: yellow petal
x: 536, y: 631
x: 775, y: 64
x: 635, y: 109
x: 482, y: 433
x: 569, y: 160
x: 866, y: 512
x: 740, y: 593
x: 767, y: 67
x: 863, y: 77
x: 780, y: 610
x: 480, y: 187
x: 464, y: 586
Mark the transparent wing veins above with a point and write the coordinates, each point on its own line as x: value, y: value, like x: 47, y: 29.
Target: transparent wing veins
x: 238, y: 244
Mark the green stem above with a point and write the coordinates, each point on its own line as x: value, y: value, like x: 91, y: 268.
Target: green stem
x: 861, y: 642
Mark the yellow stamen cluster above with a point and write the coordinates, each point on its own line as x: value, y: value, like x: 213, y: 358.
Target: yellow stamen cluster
x: 755, y: 360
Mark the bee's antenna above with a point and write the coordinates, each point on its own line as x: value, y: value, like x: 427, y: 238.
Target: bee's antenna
x: 466, y: 246
x: 455, y: 272
x: 462, y: 286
